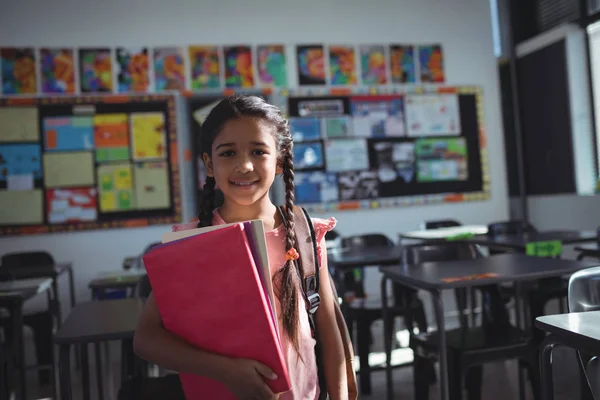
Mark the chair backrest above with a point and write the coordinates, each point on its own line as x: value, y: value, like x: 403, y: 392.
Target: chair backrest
x: 584, y: 290
x: 515, y: 227
x: 584, y: 295
x: 441, y: 223
x: 366, y: 240
x: 27, y: 259
x: 428, y: 252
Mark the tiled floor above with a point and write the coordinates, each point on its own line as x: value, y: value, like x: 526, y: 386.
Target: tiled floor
x: 500, y: 380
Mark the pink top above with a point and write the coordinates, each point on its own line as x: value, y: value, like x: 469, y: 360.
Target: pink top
x: 302, y: 373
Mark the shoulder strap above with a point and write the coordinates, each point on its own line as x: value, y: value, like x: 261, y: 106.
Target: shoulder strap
x: 307, y: 263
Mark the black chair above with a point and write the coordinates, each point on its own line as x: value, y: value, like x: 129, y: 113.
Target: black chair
x: 365, y: 310
x: 442, y: 223
x: 41, y: 323
x: 542, y: 291
x: 469, y: 347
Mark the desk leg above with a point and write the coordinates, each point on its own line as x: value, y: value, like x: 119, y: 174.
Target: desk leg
x: 546, y: 368
x: 17, y: 315
x: 85, y: 373
x: 56, y: 302
x: 100, y: 381
x: 64, y: 371
x: 441, y: 326
x: 387, y: 340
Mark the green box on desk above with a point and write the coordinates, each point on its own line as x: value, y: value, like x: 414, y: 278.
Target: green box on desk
x: 551, y: 248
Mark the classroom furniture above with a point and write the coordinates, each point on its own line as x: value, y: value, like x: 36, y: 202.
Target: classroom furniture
x: 591, y: 250
x: 469, y: 346
x: 519, y: 241
x: 357, y: 253
x: 444, y: 233
x: 95, y: 322
x: 13, y: 295
x: 126, y: 280
x: 512, y: 227
x: 577, y: 330
x: 440, y: 223
x: 437, y: 276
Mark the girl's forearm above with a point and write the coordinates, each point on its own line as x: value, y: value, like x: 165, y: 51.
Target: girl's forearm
x: 334, y: 364
x: 161, y: 347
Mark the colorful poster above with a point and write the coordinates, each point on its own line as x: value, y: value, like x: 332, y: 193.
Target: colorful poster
x: 337, y: 127
x: 19, y: 124
x: 169, y: 69
x: 95, y: 70
x: 57, y: 68
x: 115, y: 186
x: 308, y: 156
x: 18, y: 70
x: 394, y: 162
x: 205, y: 67
x: 441, y: 159
x: 21, y: 207
x: 20, y: 163
x: 342, y: 65
x: 71, y: 205
x: 271, y: 65
x: 68, y: 133
x: 239, y: 70
x: 402, y: 64
x: 378, y: 116
x: 148, y: 136
x: 111, y: 136
x: 433, y: 115
x: 372, y: 62
x: 431, y: 64
x: 316, y: 187
x: 152, y: 186
x: 71, y: 169
x: 133, y: 65
x: 304, y: 129
x: 358, y: 185
x: 346, y: 155
x: 311, y: 64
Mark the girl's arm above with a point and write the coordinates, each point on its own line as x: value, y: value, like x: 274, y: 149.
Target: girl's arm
x: 333, y: 356
x: 154, y: 343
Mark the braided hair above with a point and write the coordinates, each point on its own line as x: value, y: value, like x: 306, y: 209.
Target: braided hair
x: 234, y: 107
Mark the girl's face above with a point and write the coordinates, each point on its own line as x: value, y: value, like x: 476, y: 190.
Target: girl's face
x: 244, y: 160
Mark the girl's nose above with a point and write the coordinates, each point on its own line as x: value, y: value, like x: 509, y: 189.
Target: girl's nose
x: 245, y: 166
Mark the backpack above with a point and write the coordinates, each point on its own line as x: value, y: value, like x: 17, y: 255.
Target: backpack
x: 308, y: 269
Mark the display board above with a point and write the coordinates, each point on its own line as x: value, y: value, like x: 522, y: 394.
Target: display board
x: 89, y: 162
x: 382, y: 150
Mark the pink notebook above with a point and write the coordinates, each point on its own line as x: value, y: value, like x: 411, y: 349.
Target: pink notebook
x: 209, y: 292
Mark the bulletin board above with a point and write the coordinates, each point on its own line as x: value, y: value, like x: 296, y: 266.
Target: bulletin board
x: 88, y: 162
x: 371, y: 150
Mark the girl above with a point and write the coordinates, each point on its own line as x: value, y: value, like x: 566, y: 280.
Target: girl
x: 245, y: 143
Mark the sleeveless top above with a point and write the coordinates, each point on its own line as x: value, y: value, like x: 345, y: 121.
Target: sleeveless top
x: 302, y: 371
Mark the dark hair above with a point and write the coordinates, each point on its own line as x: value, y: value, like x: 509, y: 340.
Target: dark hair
x: 235, y: 107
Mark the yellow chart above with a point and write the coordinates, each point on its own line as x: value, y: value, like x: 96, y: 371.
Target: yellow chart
x: 148, y: 136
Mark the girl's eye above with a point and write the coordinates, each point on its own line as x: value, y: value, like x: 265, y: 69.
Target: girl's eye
x: 227, y: 153
x: 259, y: 152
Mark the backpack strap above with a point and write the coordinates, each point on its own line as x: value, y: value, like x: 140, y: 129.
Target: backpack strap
x: 308, y: 262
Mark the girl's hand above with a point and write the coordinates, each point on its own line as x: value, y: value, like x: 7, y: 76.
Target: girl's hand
x: 247, y: 380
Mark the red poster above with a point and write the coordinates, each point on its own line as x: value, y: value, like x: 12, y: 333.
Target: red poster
x: 71, y: 205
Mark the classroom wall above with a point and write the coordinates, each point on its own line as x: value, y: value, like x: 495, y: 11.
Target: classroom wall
x: 462, y: 26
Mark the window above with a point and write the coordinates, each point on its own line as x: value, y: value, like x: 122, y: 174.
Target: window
x: 594, y: 40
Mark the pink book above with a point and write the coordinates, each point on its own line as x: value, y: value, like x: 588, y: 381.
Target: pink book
x: 209, y: 292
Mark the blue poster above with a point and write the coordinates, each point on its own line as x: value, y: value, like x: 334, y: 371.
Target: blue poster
x: 305, y: 129
x: 316, y: 187
x: 308, y: 156
x: 68, y: 133
x: 20, y: 159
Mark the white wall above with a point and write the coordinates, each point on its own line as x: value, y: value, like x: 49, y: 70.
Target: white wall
x: 462, y: 26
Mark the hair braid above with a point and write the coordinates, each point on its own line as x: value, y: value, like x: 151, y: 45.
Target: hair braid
x: 208, y: 203
x: 288, y: 289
